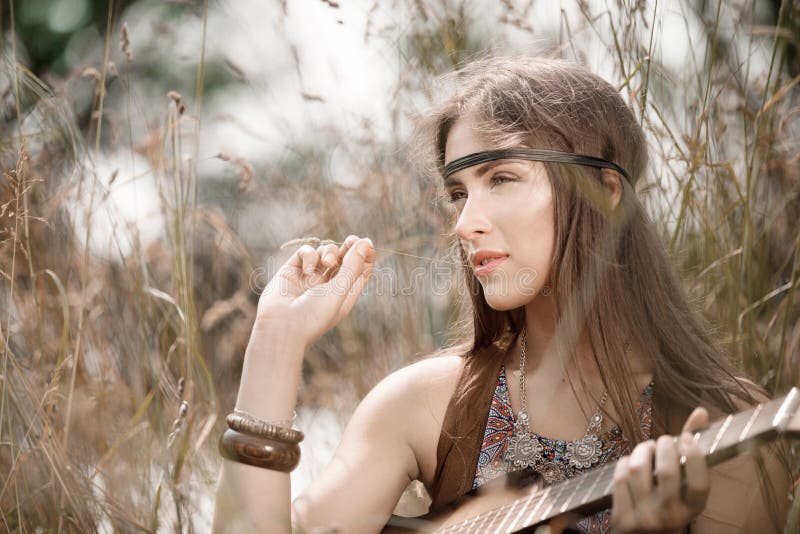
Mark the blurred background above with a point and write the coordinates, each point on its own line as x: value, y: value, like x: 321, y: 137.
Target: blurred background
x: 155, y: 155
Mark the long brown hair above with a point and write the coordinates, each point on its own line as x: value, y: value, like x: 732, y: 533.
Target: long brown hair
x: 610, y: 271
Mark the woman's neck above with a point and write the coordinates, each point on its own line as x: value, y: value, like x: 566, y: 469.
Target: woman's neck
x: 575, y: 356
x: 542, y: 353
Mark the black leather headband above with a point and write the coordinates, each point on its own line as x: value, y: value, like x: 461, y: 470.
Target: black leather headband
x: 533, y: 154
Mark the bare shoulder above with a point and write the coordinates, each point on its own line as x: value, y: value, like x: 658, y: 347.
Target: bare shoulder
x: 425, y: 384
x: 426, y: 380
x: 431, y: 372
x: 415, y: 398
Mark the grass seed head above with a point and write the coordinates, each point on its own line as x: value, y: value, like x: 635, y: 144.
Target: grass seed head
x: 176, y: 97
x: 125, y: 42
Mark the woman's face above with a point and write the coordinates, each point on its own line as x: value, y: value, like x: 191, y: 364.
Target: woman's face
x: 505, y: 220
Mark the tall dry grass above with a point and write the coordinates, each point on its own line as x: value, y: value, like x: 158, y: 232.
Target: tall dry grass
x: 115, y: 372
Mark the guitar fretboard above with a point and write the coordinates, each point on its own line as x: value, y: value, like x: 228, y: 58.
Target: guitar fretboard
x: 723, y: 439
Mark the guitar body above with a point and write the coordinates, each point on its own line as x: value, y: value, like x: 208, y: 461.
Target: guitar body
x: 470, y: 506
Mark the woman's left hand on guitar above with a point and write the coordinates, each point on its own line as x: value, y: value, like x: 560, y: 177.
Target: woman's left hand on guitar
x: 644, y: 503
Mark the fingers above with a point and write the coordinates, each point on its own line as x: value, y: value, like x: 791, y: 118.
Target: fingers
x: 697, y: 483
x: 696, y: 470
x: 325, y: 259
x: 640, y: 481
x: 347, y: 243
x: 639, y: 502
x: 329, y: 255
x: 697, y: 420
x: 622, y: 515
x: 356, y: 267
x: 668, y: 476
x: 652, y: 491
x: 319, y: 286
x: 347, y: 267
x: 319, y: 260
x: 332, y: 255
x: 309, y: 258
x: 635, y: 503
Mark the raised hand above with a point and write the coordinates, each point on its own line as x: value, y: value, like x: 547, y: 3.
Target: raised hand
x: 316, y: 288
x: 643, y: 503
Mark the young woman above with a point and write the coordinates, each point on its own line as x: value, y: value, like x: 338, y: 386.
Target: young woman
x: 583, y: 348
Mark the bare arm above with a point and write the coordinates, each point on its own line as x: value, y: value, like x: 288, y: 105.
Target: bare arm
x: 310, y: 294
x: 251, y: 499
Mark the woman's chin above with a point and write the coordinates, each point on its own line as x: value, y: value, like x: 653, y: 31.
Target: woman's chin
x: 506, y: 303
x: 503, y: 292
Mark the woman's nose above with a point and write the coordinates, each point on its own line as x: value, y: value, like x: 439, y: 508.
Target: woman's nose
x: 472, y: 221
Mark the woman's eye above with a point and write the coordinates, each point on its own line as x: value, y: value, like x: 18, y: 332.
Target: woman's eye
x: 499, y: 179
x: 455, y: 196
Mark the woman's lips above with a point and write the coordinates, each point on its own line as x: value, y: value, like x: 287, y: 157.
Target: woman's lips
x: 481, y: 270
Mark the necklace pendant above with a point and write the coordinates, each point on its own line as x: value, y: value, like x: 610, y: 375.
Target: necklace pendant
x: 523, y: 449
x: 551, y: 472
x: 585, y: 452
x: 596, y: 421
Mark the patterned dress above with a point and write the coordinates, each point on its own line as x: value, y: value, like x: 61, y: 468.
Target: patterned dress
x: 492, y: 461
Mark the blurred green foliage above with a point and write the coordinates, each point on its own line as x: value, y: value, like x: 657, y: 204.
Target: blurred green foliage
x: 45, y: 28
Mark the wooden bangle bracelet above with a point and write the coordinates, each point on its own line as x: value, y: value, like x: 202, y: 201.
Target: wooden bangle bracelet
x: 259, y: 451
x: 254, y: 427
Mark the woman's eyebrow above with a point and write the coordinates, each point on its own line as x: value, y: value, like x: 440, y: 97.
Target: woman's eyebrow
x: 450, y: 182
x: 486, y: 167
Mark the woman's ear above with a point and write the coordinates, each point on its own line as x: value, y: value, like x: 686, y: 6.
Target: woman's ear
x: 612, y: 182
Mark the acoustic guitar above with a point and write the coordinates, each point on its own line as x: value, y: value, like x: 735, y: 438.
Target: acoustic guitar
x: 507, y: 511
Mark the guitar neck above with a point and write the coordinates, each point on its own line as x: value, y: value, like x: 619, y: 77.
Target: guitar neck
x: 722, y: 440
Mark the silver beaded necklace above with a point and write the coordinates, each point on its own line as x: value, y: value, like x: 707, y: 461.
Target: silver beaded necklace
x: 525, y: 450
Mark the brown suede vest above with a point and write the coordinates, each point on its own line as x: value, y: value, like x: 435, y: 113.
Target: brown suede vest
x: 464, y: 423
